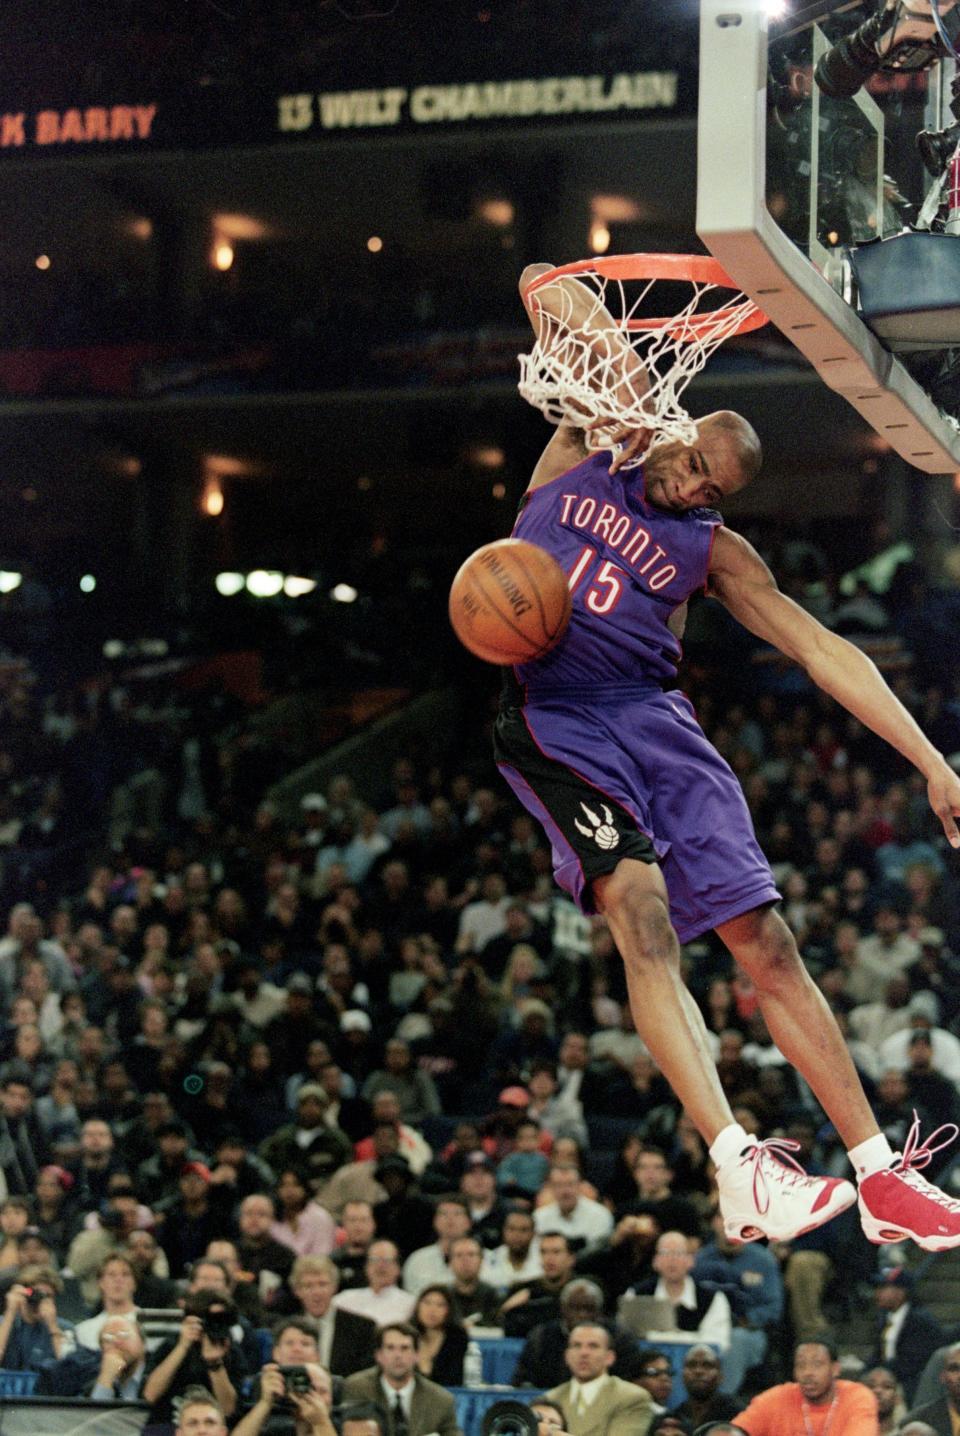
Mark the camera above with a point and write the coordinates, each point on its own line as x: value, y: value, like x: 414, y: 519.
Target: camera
x: 34, y: 1297
x: 509, y: 1418
x: 296, y: 1380
x: 936, y: 147
x: 885, y: 41
x: 216, y: 1325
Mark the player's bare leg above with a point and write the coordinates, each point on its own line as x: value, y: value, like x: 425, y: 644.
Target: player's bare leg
x: 895, y: 1200
x: 800, y: 1022
x: 760, y: 1194
x: 633, y: 899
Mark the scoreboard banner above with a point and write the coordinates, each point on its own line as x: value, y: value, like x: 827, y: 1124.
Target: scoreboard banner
x: 189, y: 120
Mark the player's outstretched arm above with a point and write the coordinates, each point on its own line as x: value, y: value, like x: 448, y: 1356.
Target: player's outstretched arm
x: 742, y: 582
x: 565, y: 308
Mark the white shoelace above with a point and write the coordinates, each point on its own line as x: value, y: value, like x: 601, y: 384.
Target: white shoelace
x: 772, y: 1162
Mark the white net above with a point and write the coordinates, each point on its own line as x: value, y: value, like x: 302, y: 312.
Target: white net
x: 600, y: 363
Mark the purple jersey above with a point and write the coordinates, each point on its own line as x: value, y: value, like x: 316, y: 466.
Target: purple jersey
x: 630, y: 565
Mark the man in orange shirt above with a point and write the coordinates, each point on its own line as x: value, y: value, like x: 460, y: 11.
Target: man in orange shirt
x: 815, y: 1403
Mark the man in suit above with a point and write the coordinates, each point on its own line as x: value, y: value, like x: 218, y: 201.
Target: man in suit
x: 414, y: 1405
x: 594, y: 1402
x: 909, y: 1334
x: 346, y: 1342
x: 943, y: 1415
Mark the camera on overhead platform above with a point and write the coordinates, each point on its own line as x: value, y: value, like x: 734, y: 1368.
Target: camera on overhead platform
x: 899, y: 35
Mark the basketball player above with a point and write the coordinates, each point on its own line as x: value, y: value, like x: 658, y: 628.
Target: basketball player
x: 647, y: 822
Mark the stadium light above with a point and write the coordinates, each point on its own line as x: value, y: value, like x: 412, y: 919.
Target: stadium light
x: 227, y: 584
x: 343, y: 593
x: 213, y: 500
x: 9, y: 580
x: 223, y: 255
x: 599, y: 237
x: 87, y: 583
x: 264, y: 583
x: 295, y: 587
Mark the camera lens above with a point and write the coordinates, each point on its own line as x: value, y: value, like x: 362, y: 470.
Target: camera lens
x: 936, y: 147
x: 844, y: 68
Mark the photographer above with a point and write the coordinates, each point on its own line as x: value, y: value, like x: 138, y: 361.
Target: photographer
x: 295, y: 1393
x: 202, y: 1355
x: 31, y: 1332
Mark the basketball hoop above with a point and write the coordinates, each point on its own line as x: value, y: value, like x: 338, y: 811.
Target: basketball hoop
x: 629, y: 375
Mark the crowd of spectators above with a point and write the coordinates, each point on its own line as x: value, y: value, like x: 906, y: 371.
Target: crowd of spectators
x: 340, y: 1088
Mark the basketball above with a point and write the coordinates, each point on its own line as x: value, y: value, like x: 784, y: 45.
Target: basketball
x: 510, y: 602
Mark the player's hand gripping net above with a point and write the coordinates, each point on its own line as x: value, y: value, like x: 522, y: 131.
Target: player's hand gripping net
x: 601, y: 363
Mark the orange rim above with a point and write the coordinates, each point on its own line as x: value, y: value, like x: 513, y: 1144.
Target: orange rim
x: 698, y: 268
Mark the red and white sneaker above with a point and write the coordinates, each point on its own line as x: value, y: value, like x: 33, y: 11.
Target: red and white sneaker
x: 897, y: 1202
x: 764, y: 1192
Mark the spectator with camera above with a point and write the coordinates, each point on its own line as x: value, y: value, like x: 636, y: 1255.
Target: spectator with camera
x: 207, y: 1274
x: 202, y: 1354
x: 123, y: 1361
x: 293, y: 1393
x: 415, y: 1405
x: 31, y: 1332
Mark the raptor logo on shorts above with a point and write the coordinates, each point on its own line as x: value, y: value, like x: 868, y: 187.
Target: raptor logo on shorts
x: 602, y: 831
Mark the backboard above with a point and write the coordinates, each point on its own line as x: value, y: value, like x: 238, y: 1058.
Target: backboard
x: 789, y: 179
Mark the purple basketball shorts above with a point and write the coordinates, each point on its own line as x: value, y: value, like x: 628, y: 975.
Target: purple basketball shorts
x: 631, y: 774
